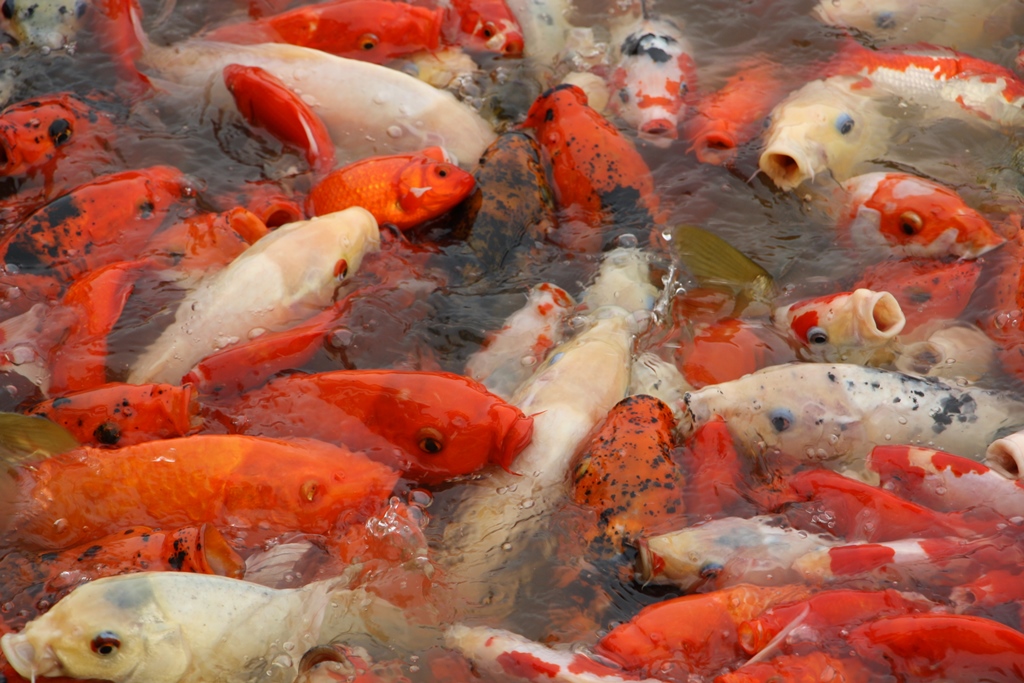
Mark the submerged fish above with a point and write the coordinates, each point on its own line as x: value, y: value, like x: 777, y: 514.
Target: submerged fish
x: 838, y: 412
x: 167, y: 627
x: 24, y: 437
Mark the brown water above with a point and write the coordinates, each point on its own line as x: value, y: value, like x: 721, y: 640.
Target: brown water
x: 788, y: 236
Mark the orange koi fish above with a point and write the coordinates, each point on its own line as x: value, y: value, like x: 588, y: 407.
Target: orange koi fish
x: 266, y: 102
x: 627, y: 454
x: 693, y: 634
x: 97, y: 223
x: 925, y: 290
x: 368, y: 30
x: 489, y: 25
x: 401, y: 189
x: 251, y: 488
x: 942, y: 647
x: 653, y: 80
x: 598, y: 176
x: 431, y: 425
x: 812, y: 667
x: 118, y: 414
x: 912, y: 217
x: 734, y: 114
x: 207, y: 242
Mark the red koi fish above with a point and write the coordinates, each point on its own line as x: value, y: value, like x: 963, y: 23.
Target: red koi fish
x: 97, y: 223
x: 729, y: 349
x: 991, y: 589
x: 368, y: 30
x: 693, y: 634
x: 266, y: 102
x: 630, y: 452
x: 945, y: 482
x: 925, y: 290
x: 198, y: 549
x: 401, y: 189
x: 813, y: 667
x: 653, y: 80
x: 598, y: 176
x: 431, y: 425
x: 207, y: 242
x: 734, y: 114
x: 251, y: 488
x: 912, y: 217
x: 942, y: 647
x: 821, y: 618
x: 119, y: 414
x: 714, y: 485
x: 490, y: 26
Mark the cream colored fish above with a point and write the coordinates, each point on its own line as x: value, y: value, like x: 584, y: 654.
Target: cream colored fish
x: 283, y: 278
x: 170, y: 627
x: 574, y: 389
x: 834, y: 124
x: 368, y: 109
x: 44, y: 23
x: 838, y: 412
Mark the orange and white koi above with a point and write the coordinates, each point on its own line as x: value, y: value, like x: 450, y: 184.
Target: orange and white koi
x: 653, y: 79
x: 489, y: 25
x: 912, y: 217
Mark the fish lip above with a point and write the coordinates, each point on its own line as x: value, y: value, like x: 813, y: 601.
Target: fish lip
x: 786, y: 166
x: 516, y: 437
x: 22, y: 656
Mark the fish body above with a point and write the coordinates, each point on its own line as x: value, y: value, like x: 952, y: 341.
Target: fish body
x: 833, y: 124
x: 653, y: 79
x: 168, y: 627
x: 368, y: 30
x: 431, y: 425
x: 838, y: 412
x: 283, y: 278
x: 403, y: 190
x: 368, y: 109
x: 258, y: 488
x: 911, y: 216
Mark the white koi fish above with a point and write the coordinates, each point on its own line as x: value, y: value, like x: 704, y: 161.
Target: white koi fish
x: 285, y: 277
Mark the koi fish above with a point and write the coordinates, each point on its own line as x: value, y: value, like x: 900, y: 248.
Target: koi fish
x: 187, y: 628
x: 533, y: 330
x: 544, y: 24
x: 258, y: 488
x: 207, y: 242
x: 927, y: 290
x: 948, y: 349
x: 31, y: 437
x: 119, y: 414
x: 403, y: 190
x: 801, y: 668
x: 86, y: 229
x: 841, y: 411
x: 952, y: 23
x: 368, y: 30
x: 489, y: 25
x: 287, y: 276
x: 598, y: 176
x: 912, y: 217
x: 652, y: 79
x: 835, y: 124
x: 451, y: 425
x: 629, y: 451
x: 43, y: 23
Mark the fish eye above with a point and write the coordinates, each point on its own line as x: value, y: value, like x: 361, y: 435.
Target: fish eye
x: 684, y: 88
x: 488, y: 30
x: 368, y: 41
x: 844, y: 123
x: 817, y: 335
x: 442, y: 172
x: 886, y: 20
x: 105, y: 644
x: 624, y: 96
x: 781, y: 419
x: 711, y: 570
x: 430, y: 440
x: 910, y: 223
x: 60, y: 131
x: 7, y: 9
x: 341, y: 269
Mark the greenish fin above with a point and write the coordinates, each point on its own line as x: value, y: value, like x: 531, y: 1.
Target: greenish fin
x: 715, y: 262
x: 25, y: 437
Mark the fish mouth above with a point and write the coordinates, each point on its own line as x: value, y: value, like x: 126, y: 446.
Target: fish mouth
x: 517, y: 430
x: 26, y: 660
x: 715, y: 147
x: 659, y: 132
x: 786, y: 167
x: 1006, y: 455
x: 880, y: 315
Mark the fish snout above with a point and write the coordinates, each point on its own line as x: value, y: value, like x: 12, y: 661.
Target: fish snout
x: 26, y: 659
x: 788, y: 162
x: 879, y: 316
x: 976, y: 234
x: 515, y: 433
x: 659, y: 131
x: 715, y: 147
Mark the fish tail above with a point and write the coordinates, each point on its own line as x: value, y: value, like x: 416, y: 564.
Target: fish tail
x: 121, y: 31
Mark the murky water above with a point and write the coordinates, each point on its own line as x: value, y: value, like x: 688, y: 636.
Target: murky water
x: 789, y: 236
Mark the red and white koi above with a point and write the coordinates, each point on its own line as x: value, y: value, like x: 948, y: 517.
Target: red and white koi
x: 652, y: 79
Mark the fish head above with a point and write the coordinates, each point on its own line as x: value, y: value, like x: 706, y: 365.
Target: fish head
x: 786, y: 410
x: 43, y: 23
x: 914, y: 217
x: 698, y: 555
x: 108, y: 630
x: 429, y: 188
x: 876, y: 18
x: 33, y: 133
x: 828, y: 125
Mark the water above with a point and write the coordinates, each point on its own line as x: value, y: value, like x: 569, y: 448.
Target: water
x: 439, y: 324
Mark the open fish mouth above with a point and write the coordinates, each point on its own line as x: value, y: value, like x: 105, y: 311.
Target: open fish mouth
x: 24, y: 658
x: 787, y: 166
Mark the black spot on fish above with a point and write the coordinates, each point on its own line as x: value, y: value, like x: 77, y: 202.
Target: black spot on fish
x: 897, y: 399
x: 831, y: 377
x: 129, y: 595
x: 90, y: 552
x: 952, y: 408
x: 649, y: 44
x: 63, y: 401
x: 177, y: 560
x: 108, y: 433
x: 549, y: 115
